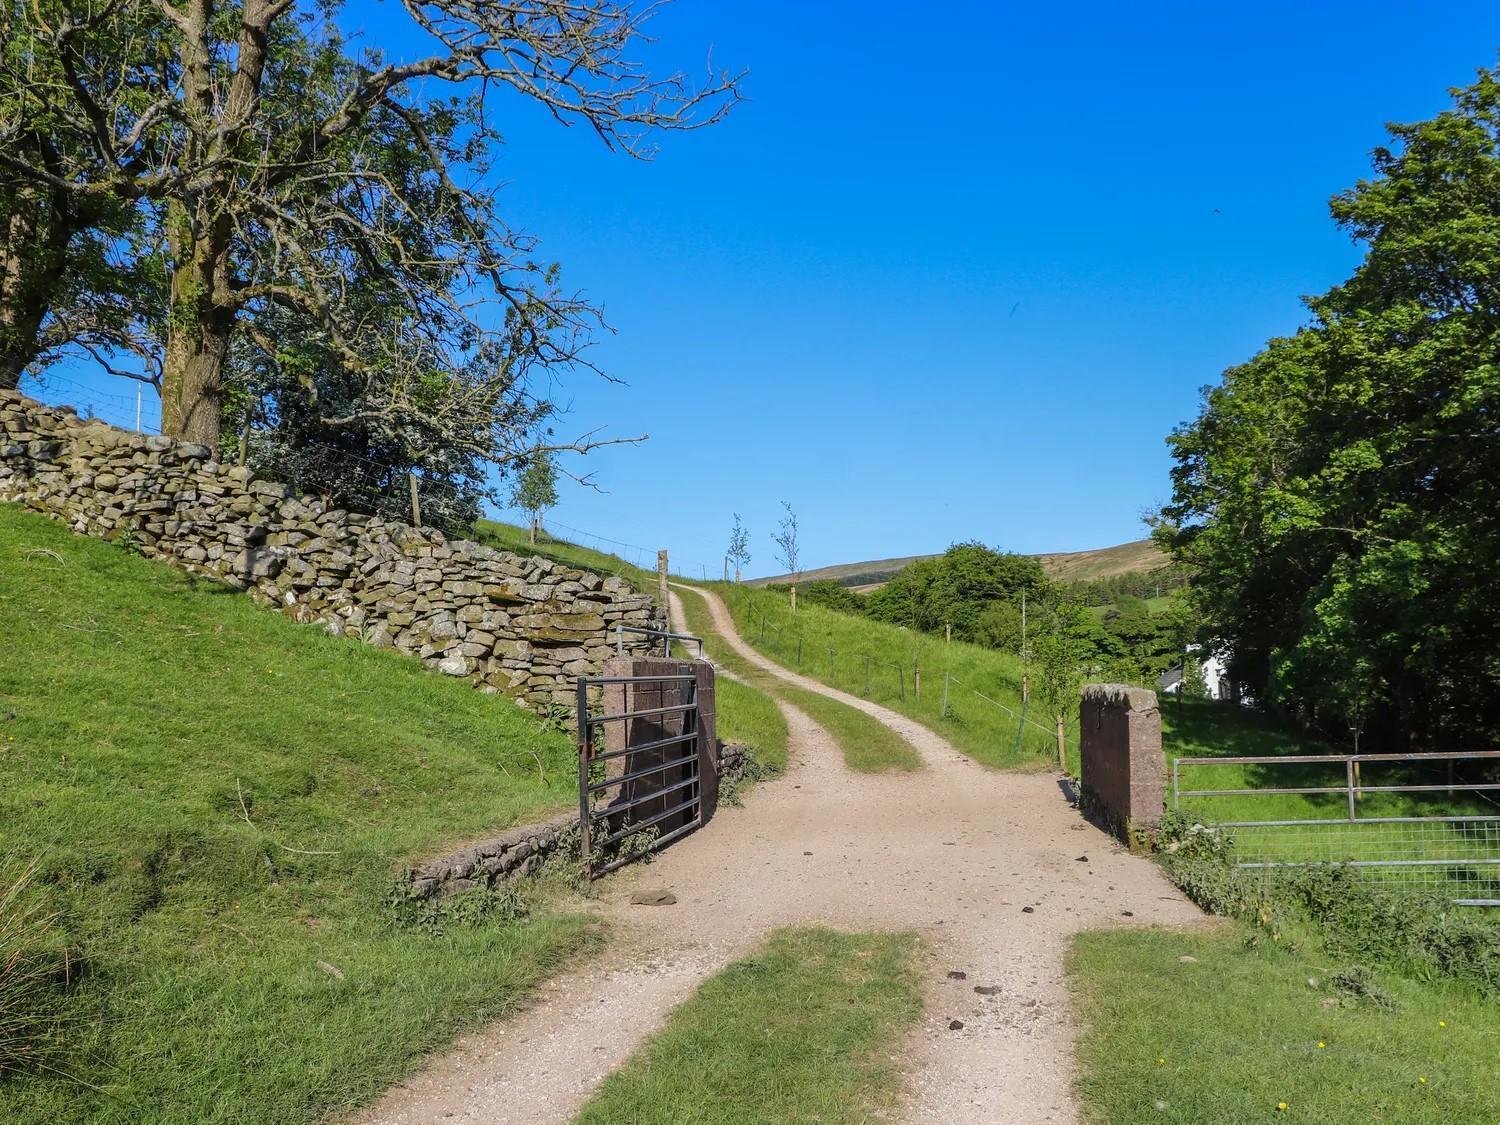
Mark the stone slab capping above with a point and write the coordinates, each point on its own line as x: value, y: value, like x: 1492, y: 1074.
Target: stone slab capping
x: 521, y: 626
x: 1122, y: 766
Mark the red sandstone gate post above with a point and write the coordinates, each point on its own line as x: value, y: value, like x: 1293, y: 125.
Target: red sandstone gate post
x: 1121, y: 764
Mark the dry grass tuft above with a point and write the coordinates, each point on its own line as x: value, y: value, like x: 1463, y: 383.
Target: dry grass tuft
x: 33, y: 972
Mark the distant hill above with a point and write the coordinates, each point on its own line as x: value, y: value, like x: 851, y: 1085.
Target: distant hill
x: 1063, y: 566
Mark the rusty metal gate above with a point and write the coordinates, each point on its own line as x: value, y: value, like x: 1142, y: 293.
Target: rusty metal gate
x: 639, y: 783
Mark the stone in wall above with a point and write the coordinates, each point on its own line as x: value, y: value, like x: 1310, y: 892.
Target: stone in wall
x: 522, y: 626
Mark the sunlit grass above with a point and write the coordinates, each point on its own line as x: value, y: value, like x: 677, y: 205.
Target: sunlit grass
x: 217, y: 801
x: 1236, y: 1031
x: 806, y: 1030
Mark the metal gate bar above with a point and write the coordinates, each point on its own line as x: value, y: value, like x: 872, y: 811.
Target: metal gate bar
x: 611, y: 814
x: 1457, y: 852
x: 666, y: 638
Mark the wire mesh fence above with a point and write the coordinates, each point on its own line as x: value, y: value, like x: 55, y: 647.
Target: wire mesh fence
x: 922, y: 684
x: 1458, y: 855
x: 1426, y: 821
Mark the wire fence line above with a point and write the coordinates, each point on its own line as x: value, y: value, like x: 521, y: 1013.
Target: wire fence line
x: 908, y: 687
x: 1423, y: 820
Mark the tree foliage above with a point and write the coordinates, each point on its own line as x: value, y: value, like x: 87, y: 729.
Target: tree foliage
x: 830, y: 595
x: 535, y: 489
x: 955, y: 588
x: 1338, y: 497
x: 317, y: 227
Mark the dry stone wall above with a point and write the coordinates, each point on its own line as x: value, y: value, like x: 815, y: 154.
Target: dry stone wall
x: 517, y: 625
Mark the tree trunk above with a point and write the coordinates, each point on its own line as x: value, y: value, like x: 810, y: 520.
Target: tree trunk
x: 199, y: 326
x: 533, y: 529
x: 33, y: 246
x: 192, y: 377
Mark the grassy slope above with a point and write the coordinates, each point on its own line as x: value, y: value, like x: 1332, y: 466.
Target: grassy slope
x: 805, y: 1030
x: 1106, y: 562
x: 867, y: 744
x: 1230, y: 1036
x: 1063, y: 566
x: 984, y: 730
x: 509, y: 537
x: 146, y: 707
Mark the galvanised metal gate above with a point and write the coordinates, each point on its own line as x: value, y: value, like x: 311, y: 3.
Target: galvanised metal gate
x: 1407, y: 819
x: 639, y: 786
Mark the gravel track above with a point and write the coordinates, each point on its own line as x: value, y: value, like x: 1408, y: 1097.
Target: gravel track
x: 954, y: 851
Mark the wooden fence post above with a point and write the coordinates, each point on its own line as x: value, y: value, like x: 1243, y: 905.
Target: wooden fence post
x: 661, y: 581
x: 416, y: 501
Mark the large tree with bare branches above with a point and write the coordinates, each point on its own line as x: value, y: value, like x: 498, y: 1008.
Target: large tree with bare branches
x: 290, y: 182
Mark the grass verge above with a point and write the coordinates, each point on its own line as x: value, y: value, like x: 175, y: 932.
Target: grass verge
x: 1243, y: 1029
x: 867, y: 744
x: 805, y: 1030
x: 748, y: 715
x: 216, y: 802
x: 877, y: 661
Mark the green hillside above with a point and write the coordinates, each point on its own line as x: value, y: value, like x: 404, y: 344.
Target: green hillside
x: 216, y: 802
x: 983, y: 713
x: 1062, y: 566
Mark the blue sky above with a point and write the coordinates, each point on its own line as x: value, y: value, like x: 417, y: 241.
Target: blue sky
x: 955, y: 272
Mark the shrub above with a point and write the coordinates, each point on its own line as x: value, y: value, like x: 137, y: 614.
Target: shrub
x: 1420, y: 934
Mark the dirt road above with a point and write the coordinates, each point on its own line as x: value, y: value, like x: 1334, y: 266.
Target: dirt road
x: 953, y: 851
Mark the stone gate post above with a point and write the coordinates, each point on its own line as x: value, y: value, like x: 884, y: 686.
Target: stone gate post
x: 1123, y: 769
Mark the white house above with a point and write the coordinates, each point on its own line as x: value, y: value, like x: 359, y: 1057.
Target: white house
x: 1215, y: 676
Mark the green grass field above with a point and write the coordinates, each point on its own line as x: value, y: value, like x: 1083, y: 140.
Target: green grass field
x: 1239, y: 1031
x: 806, y: 1030
x: 984, y: 697
x: 867, y: 745
x: 218, y: 801
x: 509, y: 537
x: 1204, y: 729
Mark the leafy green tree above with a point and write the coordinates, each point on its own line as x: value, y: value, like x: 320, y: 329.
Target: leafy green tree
x: 954, y: 589
x: 279, y: 170
x: 998, y: 626
x: 75, y: 267
x: 1060, y: 661
x: 535, y: 490
x: 1338, y: 498
x: 1194, y: 684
